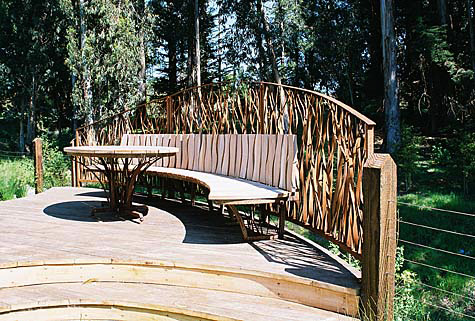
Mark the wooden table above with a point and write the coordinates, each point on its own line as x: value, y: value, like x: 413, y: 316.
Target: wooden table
x: 121, y: 165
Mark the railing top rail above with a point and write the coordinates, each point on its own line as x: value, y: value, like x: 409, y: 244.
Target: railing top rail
x: 349, y: 109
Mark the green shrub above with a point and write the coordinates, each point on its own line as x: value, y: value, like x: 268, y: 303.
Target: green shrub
x: 467, y: 151
x: 56, y: 166
x: 408, y: 155
x: 16, y: 176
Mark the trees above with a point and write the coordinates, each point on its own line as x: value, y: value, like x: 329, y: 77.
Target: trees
x: 391, y: 103
x: 72, y: 61
x: 106, y: 54
x: 32, y: 47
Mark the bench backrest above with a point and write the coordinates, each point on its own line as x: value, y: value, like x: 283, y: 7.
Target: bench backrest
x: 268, y: 159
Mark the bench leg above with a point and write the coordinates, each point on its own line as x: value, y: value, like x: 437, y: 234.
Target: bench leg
x: 171, y: 189
x: 193, y: 194
x: 162, y: 184
x: 182, y: 191
x: 282, y: 213
x: 233, y: 211
x: 210, y: 205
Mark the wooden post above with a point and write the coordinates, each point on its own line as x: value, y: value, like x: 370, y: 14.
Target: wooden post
x: 73, y: 169
x: 169, y: 115
x: 282, y: 214
x: 78, y: 166
x: 379, y: 237
x: 38, y: 163
x: 370, y: 140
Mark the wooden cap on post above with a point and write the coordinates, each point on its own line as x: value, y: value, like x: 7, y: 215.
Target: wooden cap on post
x: 379, y: 237
x: 38, y: 163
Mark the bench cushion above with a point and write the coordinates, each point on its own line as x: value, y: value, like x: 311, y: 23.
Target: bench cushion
x: 223, y: 189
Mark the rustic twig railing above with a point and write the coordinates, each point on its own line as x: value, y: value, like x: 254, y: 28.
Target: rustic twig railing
x: 334, y: 142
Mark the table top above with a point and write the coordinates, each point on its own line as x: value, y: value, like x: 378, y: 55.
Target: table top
x: 121, y: 151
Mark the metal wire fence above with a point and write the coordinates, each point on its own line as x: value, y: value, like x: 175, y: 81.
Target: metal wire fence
x: 431, y: 244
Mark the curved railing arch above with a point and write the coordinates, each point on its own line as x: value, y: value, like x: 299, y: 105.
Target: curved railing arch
x: 334, y: 141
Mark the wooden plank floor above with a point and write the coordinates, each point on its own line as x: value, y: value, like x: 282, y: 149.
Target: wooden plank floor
x: 57, y: 225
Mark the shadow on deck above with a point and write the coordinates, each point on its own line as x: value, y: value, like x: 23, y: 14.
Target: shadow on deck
x: 57, y: 225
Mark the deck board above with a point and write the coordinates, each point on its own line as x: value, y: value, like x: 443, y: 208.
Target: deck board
x: 56, y: 225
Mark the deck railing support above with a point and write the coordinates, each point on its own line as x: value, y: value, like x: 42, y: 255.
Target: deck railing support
x: 169, y: 114
x: 379, y: 243
x: 38, y: 163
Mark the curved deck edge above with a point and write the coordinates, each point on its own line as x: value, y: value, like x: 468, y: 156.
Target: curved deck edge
x: 264, y: 284
x: 79, y: 309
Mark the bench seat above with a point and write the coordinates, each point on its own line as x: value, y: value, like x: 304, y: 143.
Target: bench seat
x: 224, y: 189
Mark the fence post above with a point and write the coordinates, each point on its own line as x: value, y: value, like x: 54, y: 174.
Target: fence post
x: 38, y: 163
x: 379, y: 237
x: 78, y: 167
x: 73, y: 168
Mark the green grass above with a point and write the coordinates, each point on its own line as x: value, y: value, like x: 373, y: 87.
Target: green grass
x: 410, y: 292
x: 16, y: 175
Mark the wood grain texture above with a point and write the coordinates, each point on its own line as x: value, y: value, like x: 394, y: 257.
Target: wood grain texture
x: 334, y: 143
x: 196, y: 152
x: 283, y: 161
x: 272, y: 139
x: 232, y: 154
x: 38, y: 164
x: 57, y: 228
x: 220, y: 154
x: 379, y: 227
x: 251, y: 156
x: 244, y: 155
x: 263, y: 155
x: 227, y: 146
x: 191, y: 151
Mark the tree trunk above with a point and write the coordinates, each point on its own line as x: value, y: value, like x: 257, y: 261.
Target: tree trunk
x: 391, y: 105
x: 262, y: 55
x: 275, y: 68
x: 442, y: 8
x: 21, y: 141
x: 472, y: 35
x: 220, y: 52
x: 172, y: 65
x: 270, y: 45
x: 197, y: 45
x: 86, y: 86
x: 171, y: 46
x: 142, y: 73
x: 373, y: 85
x: 31, y: 120
x: 189, y: 62
x: 74, y: 120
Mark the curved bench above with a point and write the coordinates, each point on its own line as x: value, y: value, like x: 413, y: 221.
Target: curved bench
x: 224, y: 189
x: 238, y: 169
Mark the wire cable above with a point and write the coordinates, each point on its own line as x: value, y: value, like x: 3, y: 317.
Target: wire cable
x: 440, y: 269
x: 445, y: 291
x: 439, y: 289
x: 437, y: 209
x: 436, y: 249
x: 437, y: 229
x: 447, y: 309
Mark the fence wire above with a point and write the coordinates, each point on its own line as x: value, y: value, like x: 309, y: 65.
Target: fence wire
x: 468, y: 299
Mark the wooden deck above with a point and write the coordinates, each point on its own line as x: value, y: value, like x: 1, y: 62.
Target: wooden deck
x: 181, y: 257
